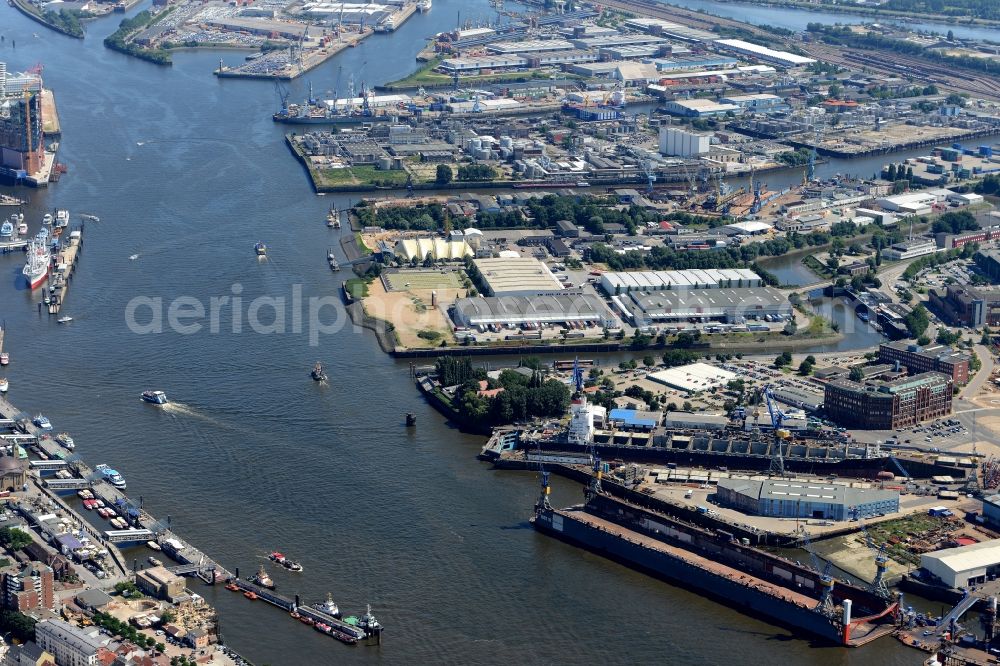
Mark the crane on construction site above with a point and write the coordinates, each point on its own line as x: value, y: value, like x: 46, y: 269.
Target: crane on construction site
x: 878, y: 585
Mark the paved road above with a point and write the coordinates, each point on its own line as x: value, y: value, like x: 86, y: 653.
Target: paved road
x: 981, y: 377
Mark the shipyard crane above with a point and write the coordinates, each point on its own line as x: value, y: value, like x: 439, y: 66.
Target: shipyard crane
x: 336, y: 87
x: 757, y: 187
x: 779, y: 434
x: 282, y: 95
x: 647, y: 170
x: 826, y: 581
x: 878, y: 585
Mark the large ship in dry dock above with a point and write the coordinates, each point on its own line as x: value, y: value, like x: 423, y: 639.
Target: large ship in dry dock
x: 749, y: 579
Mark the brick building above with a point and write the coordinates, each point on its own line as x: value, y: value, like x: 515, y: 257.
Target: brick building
x: 878, y: 405
x: 29, y: 588
x: 931, y: 358
x: 968, y: 306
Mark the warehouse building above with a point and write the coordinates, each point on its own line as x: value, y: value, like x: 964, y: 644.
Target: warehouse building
x: 781, y: 58
x: 701, y: 305
x: 805, y: 400
x: 693, y: 377
x: 698, y: 108
x: 529, y: 46
x: 516, y: 276
x: 787, y: 498
x: 614, y: 283
x: 518, y: 310
x: 755, y: 102
x: 633, y: 419
x: 899, y: 403
x: 964, y: 566
x: 474, y: 65
x: 930, y: 358
x: 695, y: 421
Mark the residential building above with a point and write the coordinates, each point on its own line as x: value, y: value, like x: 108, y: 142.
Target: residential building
x: 29, y: 588
x: 69, y: 644
x: 888, y: 405
x: 28, y: 654
x: 789, y: 498
x: 930, y: 358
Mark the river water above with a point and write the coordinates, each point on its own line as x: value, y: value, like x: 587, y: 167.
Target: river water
x: 186, y: 172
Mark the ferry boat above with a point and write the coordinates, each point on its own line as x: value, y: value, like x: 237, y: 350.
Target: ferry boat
x: 111, y: 476
x: 36, y: 268
x: 4, y: 385
x: 318, y: 374
x: 42, y: 422
x: 64, y: 440
x: 6, y: 231
x: 261, y: 578
x: 62, y: 218
x: 260, y: 249
x: 155, y: 397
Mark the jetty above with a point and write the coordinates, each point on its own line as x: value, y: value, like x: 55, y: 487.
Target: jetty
x: 63, y: 267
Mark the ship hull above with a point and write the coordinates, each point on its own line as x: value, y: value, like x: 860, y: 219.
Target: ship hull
x: 562, y: 525
x: 330, y: 120
x: 36, y: 280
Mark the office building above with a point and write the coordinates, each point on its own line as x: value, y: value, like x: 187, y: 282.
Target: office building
x: 888, y: 405
x: 930, y: 358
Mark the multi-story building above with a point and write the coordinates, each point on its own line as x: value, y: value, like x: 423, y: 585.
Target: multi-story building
x: 22, y: 146
x: 910, y: 249
x: 968, y: 306
x: 29, y: 588
x: 899, y: 403
x: 28, y: 654
x: 988, y: 261
x: 71, y: 645
x: 930, y: 358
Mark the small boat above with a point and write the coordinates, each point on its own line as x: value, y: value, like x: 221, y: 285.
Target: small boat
x: 22, y: 228
x: 318, y: 374
x: 152, y: 545
x: 411, y: 419
x: 4, y: 358
x: 155, y: 562
x: 260, y: 249
x: 276, y: 557
x: 331, y: 259
x: 105, y: 512
x: 47, y: 219
x: 62, y: 218
x: 64, y: 320
x: 4, y: 384
x: 42, y: 422
x: 90, y: 218
x: 89, y: 504
x: 65, y: 441
x: 233, y: 587
x: 6, y: 231
x: 119, y: 523
x: 261, y: 578
x: 307, y: 620
x: 111, y: 476
x: 46, y: 298
x: 99, y: 503
x: 84, y: 493
x: 295, y: 615
x: 155, y: 397
x: 292, y: 566
x: 250, y: 595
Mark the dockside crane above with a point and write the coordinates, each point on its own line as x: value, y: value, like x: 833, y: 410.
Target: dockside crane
x: 826, y: 581
x: 282, y: 95
x: 780, y: 434
x: 878, y: 585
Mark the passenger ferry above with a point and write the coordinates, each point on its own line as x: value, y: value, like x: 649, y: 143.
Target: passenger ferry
x: 155, y: 397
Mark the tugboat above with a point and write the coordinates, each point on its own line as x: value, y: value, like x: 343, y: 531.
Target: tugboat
x: 261, y: 578
x: 369, y: 624
x: 260, y: 249
x: 318, y: 374
x: 329, y: 606
x: 4, y: 385
x: 155, y: 397
x: 278, y: 558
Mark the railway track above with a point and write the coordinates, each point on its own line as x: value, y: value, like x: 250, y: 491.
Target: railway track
x: 652, y: 9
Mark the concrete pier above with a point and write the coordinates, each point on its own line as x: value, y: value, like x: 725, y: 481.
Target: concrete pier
x: 59, y: 280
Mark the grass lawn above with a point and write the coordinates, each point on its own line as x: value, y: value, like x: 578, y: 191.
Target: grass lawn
x: 357, y: 288
x: 410, y: 280
x: 365, y: 174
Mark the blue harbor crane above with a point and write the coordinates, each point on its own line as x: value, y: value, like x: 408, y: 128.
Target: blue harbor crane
x: 777, y: 417
x: 878, y: 585
x: 826, y: 581
x: 282, y: 95
x: 577, y: 375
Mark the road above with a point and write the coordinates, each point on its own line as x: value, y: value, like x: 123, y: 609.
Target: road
x: 981, y: 377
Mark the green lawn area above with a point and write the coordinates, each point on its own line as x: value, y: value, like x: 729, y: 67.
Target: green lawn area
x: 365, y: 174
x: 357, y: 287
x: 422, y: 280
x: 362, y: 248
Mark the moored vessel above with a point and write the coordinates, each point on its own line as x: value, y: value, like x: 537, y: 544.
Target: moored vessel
x: 4, y: 385
x: 42, y: 422
x: 261, y: 578
x: 65, y: 441
x: 112, y: 476
x: 36, y: 266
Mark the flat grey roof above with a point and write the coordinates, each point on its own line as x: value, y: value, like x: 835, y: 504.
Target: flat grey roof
x: 806, y: 491
x: 680, y: 302
x: 518, y: 309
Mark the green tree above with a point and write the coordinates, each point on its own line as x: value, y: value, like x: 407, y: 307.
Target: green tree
x: 917, y: 321
x: 13, y: 538
x: 444, y: 174
x: 856, y: 374
x: 648, y: 361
